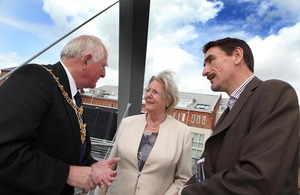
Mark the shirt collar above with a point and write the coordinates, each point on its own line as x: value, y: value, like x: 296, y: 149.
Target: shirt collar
x: 236, y: 94
x: 71, y: 81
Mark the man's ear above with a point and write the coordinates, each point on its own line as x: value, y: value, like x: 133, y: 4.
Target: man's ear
x: 238, y: 54
x: 85, y: 60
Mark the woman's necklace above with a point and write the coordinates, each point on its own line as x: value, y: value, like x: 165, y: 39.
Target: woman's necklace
x: 78, y: 110
x: 154, y: 127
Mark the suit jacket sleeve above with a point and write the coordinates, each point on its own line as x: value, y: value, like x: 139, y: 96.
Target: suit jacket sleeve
x: 24, y: 101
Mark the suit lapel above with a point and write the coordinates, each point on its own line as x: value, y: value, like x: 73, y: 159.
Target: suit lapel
x: 59, y: 72
x: 227, y: 121
x: 224, y: 114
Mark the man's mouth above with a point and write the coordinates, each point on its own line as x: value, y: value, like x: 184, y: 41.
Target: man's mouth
x: 211, y: 76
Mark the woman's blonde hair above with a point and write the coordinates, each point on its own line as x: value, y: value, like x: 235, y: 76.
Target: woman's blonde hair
x: 170, y: 88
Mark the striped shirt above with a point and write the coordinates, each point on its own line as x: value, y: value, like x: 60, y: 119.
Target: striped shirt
x: 236, y: 94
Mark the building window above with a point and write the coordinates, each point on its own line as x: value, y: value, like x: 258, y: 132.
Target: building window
x: 203, y: 120
x: 183, y: 117
x: 202, y: 106
x: 193, y: 118
x: 198, y: 119
x: 197, y: 146
x: 222, y: 108
x: 178, y: 116
x: 196, y: 152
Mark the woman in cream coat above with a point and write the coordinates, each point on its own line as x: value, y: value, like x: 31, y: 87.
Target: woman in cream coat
x: 155, y: 148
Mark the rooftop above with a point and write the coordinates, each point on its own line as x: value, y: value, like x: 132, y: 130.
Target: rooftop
x: 188, y: 101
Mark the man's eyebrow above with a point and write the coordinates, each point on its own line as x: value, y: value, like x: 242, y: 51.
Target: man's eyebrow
x: 206, y: 59
x: 209, y: 56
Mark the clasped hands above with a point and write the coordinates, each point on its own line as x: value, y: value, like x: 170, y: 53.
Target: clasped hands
x: 87, y: 178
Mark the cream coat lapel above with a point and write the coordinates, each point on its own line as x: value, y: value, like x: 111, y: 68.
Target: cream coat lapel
x: 161, y: 150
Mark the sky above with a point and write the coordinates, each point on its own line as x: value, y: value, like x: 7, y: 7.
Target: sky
x: 178, y: 29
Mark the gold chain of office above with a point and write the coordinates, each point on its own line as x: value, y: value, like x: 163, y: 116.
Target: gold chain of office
x: 78, y: 110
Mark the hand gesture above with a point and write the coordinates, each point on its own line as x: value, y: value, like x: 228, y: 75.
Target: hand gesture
x: 82, y: 177
x: 104, y: 172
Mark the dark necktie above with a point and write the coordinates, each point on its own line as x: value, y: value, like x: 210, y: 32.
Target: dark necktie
x: 78, y: 101
x: 230, y: 104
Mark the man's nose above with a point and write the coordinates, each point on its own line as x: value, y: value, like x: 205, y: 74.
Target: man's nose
x: 204, y: 71
x: 103, y: 73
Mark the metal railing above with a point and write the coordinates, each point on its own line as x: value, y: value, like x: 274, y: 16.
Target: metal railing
x: 101, y: 148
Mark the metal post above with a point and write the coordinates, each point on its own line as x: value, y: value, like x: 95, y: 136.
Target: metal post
x: 134, y: 19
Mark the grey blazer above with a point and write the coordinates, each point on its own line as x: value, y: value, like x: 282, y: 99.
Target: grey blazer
x: 254, y: 150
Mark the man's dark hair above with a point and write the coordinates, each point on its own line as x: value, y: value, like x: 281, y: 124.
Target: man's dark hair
x: 228, y: 45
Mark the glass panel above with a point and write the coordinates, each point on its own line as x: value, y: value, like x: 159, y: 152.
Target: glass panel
x: 196, y: 137
x: 194, y: 152
x: 201, y: 139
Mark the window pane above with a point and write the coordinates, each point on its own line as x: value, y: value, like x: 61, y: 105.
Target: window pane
x: 196, y: 137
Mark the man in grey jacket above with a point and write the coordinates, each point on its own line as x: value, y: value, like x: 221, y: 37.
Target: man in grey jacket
x: 254, y: 146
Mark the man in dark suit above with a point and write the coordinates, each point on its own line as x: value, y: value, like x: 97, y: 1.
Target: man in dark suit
x: 254, y: 146
x: 43, y: 143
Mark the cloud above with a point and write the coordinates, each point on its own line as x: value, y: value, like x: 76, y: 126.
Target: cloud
x: 172, y: 39
x: 177, y: 31
x: 290, y: 7
x: 106, y: 25
x: 278, y: 56
x: 169, y: 15
x: 9, y: 60
x: 170, y: 28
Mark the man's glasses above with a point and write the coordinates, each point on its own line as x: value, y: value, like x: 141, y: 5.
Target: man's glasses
x: 152, y: 91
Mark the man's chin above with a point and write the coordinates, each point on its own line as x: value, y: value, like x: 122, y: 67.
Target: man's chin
x: 214, y: 88
x: 93, y: 86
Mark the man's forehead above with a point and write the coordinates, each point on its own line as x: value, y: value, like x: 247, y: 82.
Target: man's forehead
x: 213, y: 50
